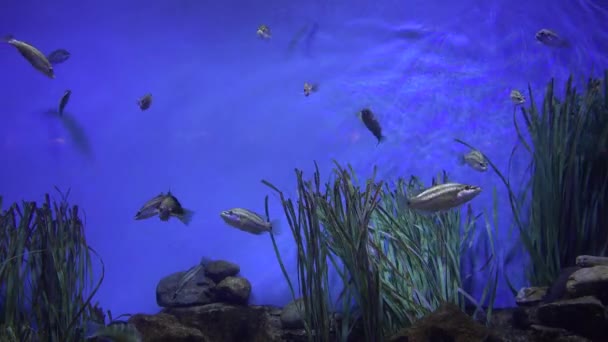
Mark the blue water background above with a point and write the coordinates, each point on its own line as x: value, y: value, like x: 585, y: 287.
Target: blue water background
x: 229, y: 111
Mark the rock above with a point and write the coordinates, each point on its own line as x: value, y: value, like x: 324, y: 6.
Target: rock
x: 162, y: 327
x: 197, y: 291
x: 292, y: 316
x: 531, y: 295
x: 543, y: 333
x: 558, y: 289
x: 590, y: 260
x: 224, y: 322
x: 233, y: 290
x: 447, y: 323
x: 220, y: 269
x: 584, y: 316
x: 589, y: 281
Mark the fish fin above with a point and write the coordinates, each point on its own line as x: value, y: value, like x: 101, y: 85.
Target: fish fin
x: 275, y: 227
x: 186, y: 217
x: 460, y: 159
x: 381, y: 140
x: 92, y: 329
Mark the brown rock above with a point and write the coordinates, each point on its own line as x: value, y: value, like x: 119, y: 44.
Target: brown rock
x: 162, y: 327
x: 220, y: 269
x: 584, y: 316
x: 590, y: 281
x: 233, y: 290
x: 447, y: 323
x: 530, y: 295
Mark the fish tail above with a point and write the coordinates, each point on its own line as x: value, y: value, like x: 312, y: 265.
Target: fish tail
x: 460, y: 159
x: 186, y: 217
x: 92, y: 329
x: 381, y: 139
x: 275, y: 227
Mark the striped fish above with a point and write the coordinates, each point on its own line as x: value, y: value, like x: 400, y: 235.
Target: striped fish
x: 442, y: 197
x: 248, y: 221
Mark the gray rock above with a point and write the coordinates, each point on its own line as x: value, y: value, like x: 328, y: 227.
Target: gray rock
x: 197, y: 291
x: 292, y: 316
x: 530, y: 295
x: 585, y: 316
x: 220, y: 269
x: 590, y: 260
x: 233, y: 290
x: 589, y: 281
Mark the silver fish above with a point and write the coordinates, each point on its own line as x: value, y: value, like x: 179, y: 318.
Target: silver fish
x: 474, y: 159
x: 150, y: 208
x: 517, y: 97
x: 64, y: 101
x: 248, y: 221
x: 117, y: 331
x: 36, y: 58
x: 443, y: 197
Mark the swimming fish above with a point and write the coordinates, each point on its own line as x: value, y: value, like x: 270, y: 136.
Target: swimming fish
x: 264, y: 32
x: 170, y: 207
x: 372, y: 124
x: 248, y: 221
x: 145, y: 101
x: 517, y: 97
x: 64, y: 101
x: 150, y: 208
x: 474, y: 159
x: 442, y: 197
x: 309, y: 88
x: 36, y: 58
x: 117, y: 331
x: 550, y: 38
x: 58, y: 56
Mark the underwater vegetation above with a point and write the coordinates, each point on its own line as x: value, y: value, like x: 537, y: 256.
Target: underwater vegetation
x: 46, y: 276
x: 397, y: 264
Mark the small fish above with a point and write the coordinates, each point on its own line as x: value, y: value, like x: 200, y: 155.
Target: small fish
x: 150, y: 208
x: 117, y: 331
x: 58, y: 56
x: 517, y: 97
x: 145, y: 101
x: 36, y: 58
x: 248, y: 221
x: 550, y: 38
x: 310, y: 88
x: 474, y: 159
x: 442, y: 197
x: 170, y: 207
x: 186, y: 277
x: 372, y: 124
x: 264, y: 32
x: 64, y: 101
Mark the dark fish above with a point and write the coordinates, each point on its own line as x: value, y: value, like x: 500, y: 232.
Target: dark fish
x: 550, y: 38
x: 170, y: 207
x: 58, y: 56
x: 372, y: 124
x: 310, y: 88
x: 36, y: 58
x: 64, y: 101
x: 310, y: 37
x: 145, y: 101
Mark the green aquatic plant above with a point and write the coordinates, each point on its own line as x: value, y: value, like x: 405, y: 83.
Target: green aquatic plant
x: 46, y: 277
x: 560, y: 212
x: 396, y: 264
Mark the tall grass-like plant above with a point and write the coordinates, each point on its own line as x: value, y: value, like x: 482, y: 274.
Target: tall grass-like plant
x: 396, y: 264
x: 312, y: 254
x: 45, y: 273
x: 561, y: 211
